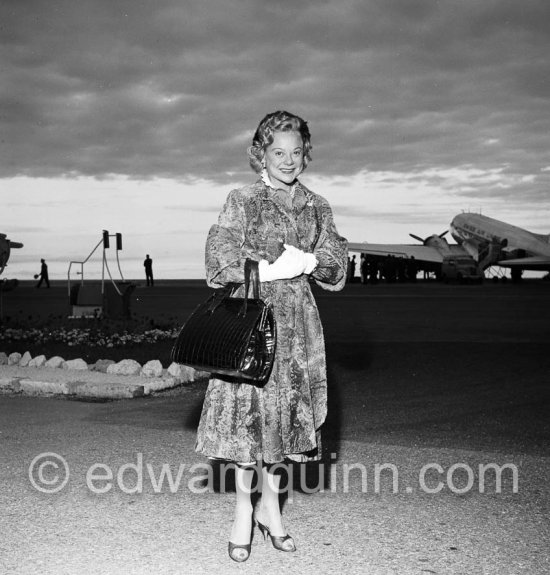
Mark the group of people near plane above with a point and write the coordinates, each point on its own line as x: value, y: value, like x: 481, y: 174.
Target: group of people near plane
x: 390, y: 269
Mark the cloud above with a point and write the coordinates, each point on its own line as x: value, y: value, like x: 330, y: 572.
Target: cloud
x: 22, y: 229
x: 206, y: 209
x: 446, y: 104
x: 162, y: 89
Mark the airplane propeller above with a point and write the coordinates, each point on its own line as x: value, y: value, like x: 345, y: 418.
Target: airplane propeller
x: 425, y: 240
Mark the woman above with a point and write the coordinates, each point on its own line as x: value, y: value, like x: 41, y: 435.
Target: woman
x: 290, y: 231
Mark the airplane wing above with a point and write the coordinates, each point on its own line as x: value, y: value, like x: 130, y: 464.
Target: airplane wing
x: 534, y: 263
x: 5, y: 247
x: 420, y: 253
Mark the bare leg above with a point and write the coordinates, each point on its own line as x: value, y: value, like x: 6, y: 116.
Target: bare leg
x: 242, y: 525
x: 269, y: 513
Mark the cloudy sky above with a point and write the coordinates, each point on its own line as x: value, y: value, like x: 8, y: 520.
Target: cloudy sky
x: 135, y: 115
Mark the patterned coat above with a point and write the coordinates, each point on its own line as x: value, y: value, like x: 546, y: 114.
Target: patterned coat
x: 241, y: 422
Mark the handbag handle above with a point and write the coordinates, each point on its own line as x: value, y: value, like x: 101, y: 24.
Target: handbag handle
x: 250, y: 272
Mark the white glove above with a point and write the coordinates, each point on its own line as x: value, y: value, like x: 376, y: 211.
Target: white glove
x: 310, y: 261
x: 290, y: 264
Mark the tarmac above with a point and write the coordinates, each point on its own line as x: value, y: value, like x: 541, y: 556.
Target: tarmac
x: 436, y: 454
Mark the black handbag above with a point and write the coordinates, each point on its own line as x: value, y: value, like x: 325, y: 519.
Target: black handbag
x: 231, y: 337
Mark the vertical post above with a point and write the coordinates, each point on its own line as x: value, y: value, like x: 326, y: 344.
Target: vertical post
x: 118, y: 248
x: 105, y: 246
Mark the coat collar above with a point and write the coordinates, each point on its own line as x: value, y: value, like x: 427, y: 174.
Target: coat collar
x: 299, y: 194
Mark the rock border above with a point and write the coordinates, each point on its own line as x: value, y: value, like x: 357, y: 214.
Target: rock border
x: 123, y: 379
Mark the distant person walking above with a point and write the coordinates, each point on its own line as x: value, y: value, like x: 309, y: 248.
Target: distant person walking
x: 148, y: 264
x: 352, y: 265
x: 43, y: 274
x: 412, y: 269
x: 363, y: 269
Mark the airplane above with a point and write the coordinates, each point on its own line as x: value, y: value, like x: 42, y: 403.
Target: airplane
x: 5, y: 248
x: 480, y: 239
x: 519, y: 248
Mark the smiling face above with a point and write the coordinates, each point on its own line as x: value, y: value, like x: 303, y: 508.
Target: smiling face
x: 284, y: 159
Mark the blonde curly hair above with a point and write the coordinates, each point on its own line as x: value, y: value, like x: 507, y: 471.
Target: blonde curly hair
x: 279, y: 121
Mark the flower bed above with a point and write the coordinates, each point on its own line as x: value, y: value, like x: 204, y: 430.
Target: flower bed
x: 88, y: 336
x: 90, y: 339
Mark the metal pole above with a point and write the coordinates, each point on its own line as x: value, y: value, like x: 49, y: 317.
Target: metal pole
x: 118, y: 262
x: 103, y: 272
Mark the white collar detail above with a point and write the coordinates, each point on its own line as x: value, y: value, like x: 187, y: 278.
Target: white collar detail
x: 267, y: 181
